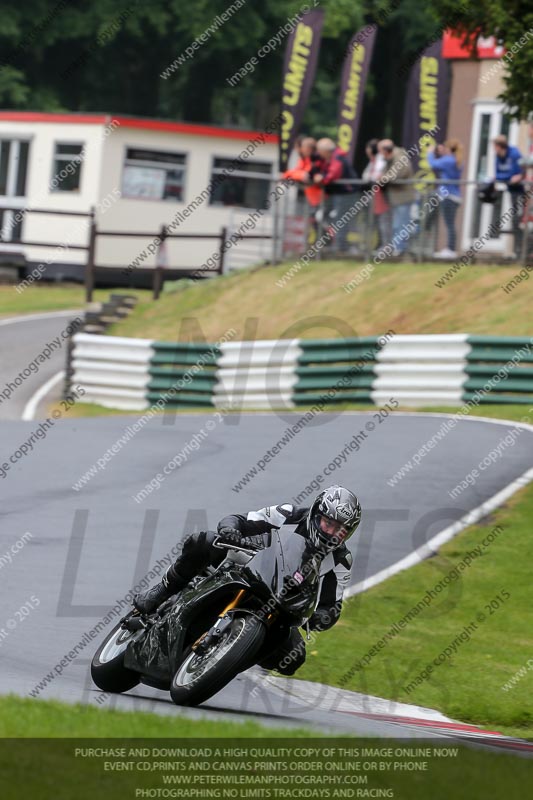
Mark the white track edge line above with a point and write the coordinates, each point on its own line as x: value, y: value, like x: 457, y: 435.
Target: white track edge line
x: 31, y: 406
x: 422, y: 552
x: 47, y: 315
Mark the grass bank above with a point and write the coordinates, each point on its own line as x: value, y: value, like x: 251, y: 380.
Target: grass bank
x: 515, y: 413
x: 402, y: 297
x: 481, y: 681
x: 45, y: 297
x: 51, y: 769
x: 22, y: 718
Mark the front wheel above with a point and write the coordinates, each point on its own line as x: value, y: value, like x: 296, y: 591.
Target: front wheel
x: 107, y: 667
x: 200, y: 676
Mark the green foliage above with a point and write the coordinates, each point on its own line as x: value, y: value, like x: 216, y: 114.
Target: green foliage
x: 13, y: 88
x: 108, y: 55
x: 508, y: 21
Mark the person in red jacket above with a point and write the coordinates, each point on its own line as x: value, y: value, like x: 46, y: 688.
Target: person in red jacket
x: 308, y: 165
x: 339, y: 196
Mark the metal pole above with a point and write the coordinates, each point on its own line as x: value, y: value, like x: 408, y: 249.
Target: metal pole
x: 159, y: 263
x: 527, y: 208
x: 422, y: 225
x: 222, y: 250
x: 275, y: 231
x: 89, y: 267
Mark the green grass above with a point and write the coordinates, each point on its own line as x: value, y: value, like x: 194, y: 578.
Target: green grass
x: 43, y: 297
x: 21, y: 718
x: 467, y: 686
x: 39, y: 759
x: 402, y: 297
x: 515, y: 413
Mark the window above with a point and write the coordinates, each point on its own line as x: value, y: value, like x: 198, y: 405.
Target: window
x: 153, y: 175
x: 13, y: 167
x: 233, y: 190
x: 5, y: 148
x: 13, y: 172
x: 68, y: 159
x: 22, y: 169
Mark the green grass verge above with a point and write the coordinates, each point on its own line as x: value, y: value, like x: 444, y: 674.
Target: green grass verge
x: 43, y: 297
x: 401, y: 297
x: 21, y: 718
x: 467, y: 686
x: 515, y: 413
x: 41, y: 762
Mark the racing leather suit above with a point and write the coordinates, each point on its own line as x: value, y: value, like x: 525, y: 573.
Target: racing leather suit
x: 287, y: 654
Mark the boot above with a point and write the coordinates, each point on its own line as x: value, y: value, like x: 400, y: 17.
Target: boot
x: 147, y: 602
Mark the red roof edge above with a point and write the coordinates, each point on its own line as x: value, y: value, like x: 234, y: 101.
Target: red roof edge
x: 136, y: 122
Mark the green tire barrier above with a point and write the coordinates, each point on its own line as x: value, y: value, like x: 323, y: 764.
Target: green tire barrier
x: 417, y: 370
x: 501, y: 367
x: 349, y: 376
x: 182, y: 374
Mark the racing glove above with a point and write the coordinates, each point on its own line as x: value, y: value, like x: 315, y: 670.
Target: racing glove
x: 321, y: 620
x: 231, y: 536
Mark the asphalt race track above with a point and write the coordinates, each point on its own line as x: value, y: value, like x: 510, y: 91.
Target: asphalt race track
x: 22, y: 339
x: 89, y: 547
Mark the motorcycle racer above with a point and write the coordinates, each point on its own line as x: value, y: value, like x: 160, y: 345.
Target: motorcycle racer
x: 327, y: 524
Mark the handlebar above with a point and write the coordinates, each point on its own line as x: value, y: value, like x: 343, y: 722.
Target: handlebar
x: 227, y: 546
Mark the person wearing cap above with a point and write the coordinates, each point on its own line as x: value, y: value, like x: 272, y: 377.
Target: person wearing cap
x: 509, y: 169
x: 397, y: 180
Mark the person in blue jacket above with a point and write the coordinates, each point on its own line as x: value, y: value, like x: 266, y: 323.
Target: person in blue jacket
x: 509, y: 170
x: 447, y: 160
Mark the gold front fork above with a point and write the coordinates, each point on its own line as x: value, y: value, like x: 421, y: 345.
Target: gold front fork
x: 234, y: 603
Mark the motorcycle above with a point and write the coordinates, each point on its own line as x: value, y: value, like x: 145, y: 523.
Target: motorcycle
x: 222, y: 623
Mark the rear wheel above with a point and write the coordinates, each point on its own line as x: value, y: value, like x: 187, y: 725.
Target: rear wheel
x: 200, y: 676
x: 107, y: 667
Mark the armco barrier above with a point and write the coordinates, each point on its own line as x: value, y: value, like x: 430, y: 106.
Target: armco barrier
x: 343, y: 369
x: 189, y: 368
x: 257, y: 374
x: 113, y: 371
x: 96, y: 320
x: 504, y: 362
x: 421, y: 370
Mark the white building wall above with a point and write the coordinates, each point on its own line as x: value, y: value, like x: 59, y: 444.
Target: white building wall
x: 101, y: 181
x: 148, y: 215
x: 39, y: 191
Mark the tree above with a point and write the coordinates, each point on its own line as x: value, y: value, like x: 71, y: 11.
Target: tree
x: 511, y: 22
x: 109, y: 55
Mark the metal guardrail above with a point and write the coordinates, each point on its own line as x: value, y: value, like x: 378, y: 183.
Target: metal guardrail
x: 360, y: 238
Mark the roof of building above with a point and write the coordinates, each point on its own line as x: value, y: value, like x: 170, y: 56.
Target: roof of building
x: 143, y: 123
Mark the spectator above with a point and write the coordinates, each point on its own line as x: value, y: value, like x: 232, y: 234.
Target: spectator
x: 336, y: 167
x: 400, y: 195
x: 308, y: 165
x: 380, y: 208
x: 447, y: 158
x: 510, y: 169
